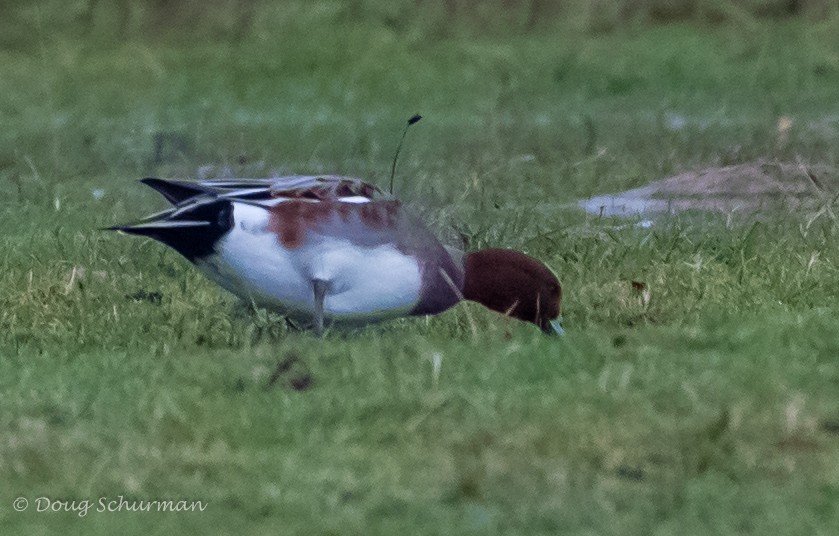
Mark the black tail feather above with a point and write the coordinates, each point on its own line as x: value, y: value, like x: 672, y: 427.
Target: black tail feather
x: 192, y: 229
x: 176, y: 192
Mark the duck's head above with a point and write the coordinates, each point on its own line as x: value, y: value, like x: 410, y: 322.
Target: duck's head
x: 516, y: 285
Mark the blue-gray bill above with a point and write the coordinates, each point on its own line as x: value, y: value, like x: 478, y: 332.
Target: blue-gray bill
x: 556, y: 324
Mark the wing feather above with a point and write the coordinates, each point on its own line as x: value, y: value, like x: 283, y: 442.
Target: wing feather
x: 310, y: 187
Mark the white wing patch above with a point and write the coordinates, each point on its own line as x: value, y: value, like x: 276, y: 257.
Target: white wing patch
x: 273, y: 202
x: 357, y: 199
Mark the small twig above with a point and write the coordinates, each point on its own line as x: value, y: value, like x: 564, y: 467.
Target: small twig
x: 414, y: 119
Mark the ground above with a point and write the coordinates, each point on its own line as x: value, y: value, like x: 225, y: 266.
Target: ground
x: 695, y: 392
x: 759, y: 189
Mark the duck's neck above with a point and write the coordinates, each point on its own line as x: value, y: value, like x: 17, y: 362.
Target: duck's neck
x: 481, y: 281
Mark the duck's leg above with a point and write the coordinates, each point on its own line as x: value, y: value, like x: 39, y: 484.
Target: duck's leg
x: 319, y: 286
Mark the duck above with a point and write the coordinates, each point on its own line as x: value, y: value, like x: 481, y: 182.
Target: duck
x: 331, y: 249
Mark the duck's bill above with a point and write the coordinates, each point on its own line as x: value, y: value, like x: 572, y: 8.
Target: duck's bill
x: 553, y: 327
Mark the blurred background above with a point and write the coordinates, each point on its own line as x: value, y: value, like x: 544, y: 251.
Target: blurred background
x: 571, y: 98
x: 233, y: 20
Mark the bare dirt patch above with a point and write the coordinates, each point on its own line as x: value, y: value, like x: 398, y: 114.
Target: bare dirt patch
x: 755, y: 187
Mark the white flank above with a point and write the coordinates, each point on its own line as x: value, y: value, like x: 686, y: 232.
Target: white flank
x: 364, y: 283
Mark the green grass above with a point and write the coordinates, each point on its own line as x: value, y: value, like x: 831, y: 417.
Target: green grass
x: 710, y: 408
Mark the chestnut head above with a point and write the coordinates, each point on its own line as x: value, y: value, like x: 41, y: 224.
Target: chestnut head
x: 516, y: 285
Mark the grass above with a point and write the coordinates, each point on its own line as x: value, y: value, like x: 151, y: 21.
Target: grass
x: 709, y: 406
